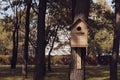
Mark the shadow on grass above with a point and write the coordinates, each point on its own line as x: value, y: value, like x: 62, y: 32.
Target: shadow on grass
x: 99, y: 73
x: 13, y: 74
x: 58, y: 73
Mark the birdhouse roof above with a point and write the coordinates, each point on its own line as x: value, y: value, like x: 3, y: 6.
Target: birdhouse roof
x: 77, y: 22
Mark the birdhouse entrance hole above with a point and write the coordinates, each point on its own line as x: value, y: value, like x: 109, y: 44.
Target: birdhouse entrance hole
x: 79, y: 28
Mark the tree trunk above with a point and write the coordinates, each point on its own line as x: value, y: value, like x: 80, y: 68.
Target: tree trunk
x: 49, y: 55
x: 80, y: 10
x: 49, y: 60
x: 73, y: 9
x: 24, y: 70
x: 14, y: 54
x: 115, y: 53
x: 77, y: 74
x: 15, y: 45
x: 40, y: 55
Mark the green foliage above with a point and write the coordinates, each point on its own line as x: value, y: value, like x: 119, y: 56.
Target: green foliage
x: 5, y: 59
x: 55, y: 60
x: 60, y: 60
x: 61, y: 10
x: 5, y: 41
x: 105, y: 39
x: 101, y: 27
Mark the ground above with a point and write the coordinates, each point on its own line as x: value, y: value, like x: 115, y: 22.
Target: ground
x: 58, y: 73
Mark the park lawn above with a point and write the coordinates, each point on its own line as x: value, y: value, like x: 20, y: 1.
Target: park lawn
x: 58, y: 73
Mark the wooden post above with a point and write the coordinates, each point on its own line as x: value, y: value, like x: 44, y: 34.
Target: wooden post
x: 78, y: 49
x: 77, y: 68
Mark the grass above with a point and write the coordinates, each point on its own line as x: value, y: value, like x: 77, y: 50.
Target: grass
x: 58, y: 73
x: 99, y: 73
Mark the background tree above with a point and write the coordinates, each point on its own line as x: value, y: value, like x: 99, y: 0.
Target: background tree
x: 26, y: 43
x: 40, y: 53
x: 14, y: 5
x: 13, y: 23
x: 61, y: 19
x: 101, y: 25
x: 115, y: 52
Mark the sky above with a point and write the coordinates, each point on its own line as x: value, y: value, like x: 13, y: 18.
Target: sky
x: 108, y: 1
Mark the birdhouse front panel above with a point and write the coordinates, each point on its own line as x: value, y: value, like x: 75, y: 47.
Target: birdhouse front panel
x: 79, y: 35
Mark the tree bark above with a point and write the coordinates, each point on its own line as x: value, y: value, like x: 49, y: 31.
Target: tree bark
x: 15, y: 44
x: 40, y: 55
x: 115, y: 52
x: 14, y: 54
x: 77, y: 74
x: 80, y: 10
x: 26, y: 43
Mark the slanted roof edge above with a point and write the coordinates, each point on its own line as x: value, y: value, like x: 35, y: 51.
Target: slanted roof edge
x: 76, y: 22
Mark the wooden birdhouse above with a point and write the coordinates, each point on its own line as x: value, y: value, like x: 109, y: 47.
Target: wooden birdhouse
x: 79, y: 30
